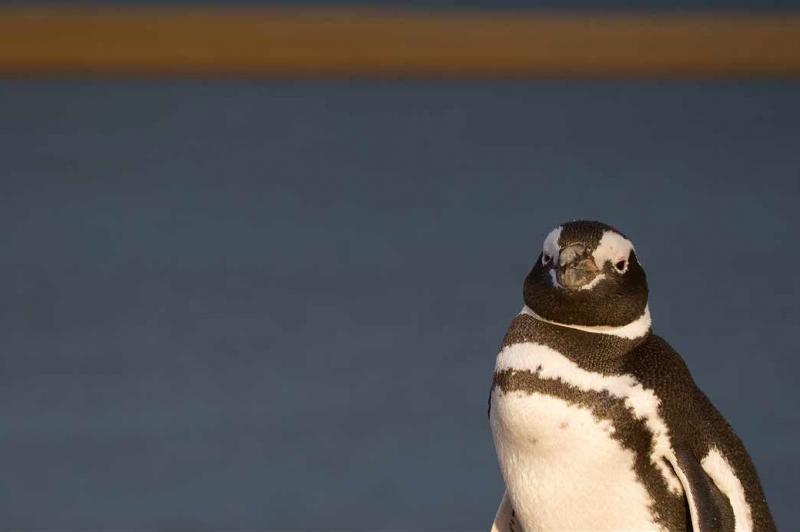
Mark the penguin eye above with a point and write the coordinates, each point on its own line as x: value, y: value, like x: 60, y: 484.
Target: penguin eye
x: 620, y: 265
x: 546, y: 259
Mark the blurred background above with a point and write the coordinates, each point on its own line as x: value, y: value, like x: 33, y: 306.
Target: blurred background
x: 258, y: 258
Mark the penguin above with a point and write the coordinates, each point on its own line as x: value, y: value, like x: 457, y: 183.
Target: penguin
x: 596, y: 420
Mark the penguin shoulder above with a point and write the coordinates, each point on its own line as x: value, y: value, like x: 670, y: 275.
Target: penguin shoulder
x: 522, y: 329
x: 658, y: 366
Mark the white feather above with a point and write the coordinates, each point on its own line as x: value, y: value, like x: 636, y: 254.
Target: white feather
x: 642, y: 402
x: 562, y: 467
x: 634, y: 329
x: 550, y: 246
x: 503, y: 517
x: 726, y: 480
x: 613, y: 247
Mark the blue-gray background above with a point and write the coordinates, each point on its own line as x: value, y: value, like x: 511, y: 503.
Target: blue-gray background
x: 276, y: 305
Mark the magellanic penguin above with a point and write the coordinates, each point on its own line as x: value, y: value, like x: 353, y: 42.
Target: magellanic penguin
x: 597, y: 422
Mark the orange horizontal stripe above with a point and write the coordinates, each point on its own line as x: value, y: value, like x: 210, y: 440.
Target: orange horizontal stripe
x: 395, y: 43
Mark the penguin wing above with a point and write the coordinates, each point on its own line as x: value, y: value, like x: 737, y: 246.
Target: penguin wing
x: 504, y: 520
x: 718, y: 477
x: 709, y: 508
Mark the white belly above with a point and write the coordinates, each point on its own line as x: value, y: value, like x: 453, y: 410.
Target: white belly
x: 562, y: 468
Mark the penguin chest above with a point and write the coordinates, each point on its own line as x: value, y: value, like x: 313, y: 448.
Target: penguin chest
x: 563, y: 467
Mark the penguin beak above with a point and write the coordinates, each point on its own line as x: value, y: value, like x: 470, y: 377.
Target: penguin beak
x: 576, y: 267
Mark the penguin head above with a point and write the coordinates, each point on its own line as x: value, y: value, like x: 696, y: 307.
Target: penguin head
x: 587, y: 274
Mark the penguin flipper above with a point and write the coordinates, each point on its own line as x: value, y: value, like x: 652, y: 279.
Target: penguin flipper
x: 504, y: 520
x: 709, y: 508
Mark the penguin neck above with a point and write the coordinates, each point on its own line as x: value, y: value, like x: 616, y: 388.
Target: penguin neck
x: 597, y: 349
x: 638, y: 328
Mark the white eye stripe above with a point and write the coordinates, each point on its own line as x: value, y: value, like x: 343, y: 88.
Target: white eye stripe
x: 550, y: 246
x: 613, y: 248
